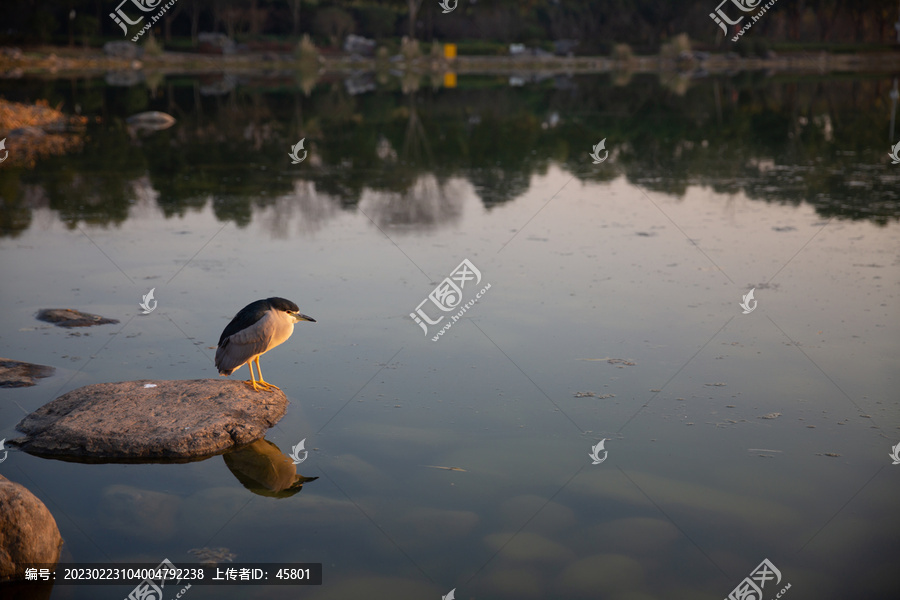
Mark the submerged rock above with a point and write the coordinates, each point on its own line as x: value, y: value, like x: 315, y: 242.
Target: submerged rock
x: 67, y: 317
x: 213, y: 556
x: 15, y: 373
x: 151, y: 121
x: 28, y: 532
x: 150, y: 421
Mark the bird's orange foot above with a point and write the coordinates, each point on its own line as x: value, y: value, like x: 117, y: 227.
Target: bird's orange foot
x: 256, y: 387
x: 269, y: 386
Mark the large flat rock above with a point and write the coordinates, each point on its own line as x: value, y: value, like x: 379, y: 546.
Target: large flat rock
x: 174, y: 421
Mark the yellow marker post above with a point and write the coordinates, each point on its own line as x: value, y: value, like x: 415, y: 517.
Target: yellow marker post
x: 450, y: 80
x: 449, y: 51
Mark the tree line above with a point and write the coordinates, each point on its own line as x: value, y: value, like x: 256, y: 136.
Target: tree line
x: 644, y: 24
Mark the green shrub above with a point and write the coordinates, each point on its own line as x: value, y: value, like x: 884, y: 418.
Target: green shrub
x: 86, y: 27
x: 675, y: 46
x: 334, y: 24
x: 376, y: 21
x: 44, y: 25
x: 305, y: 49
x: 622, y: 52
x: 151, y: 46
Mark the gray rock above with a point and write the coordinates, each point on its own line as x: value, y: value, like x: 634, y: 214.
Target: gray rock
x: 127, y: 78
x: 216, y: 43
x: 15, y: 373
x: 28, y: 532
x: 152, y: 120
x: 66, y: 317
x: 356, y: 44
x: 123, y: 49
x: 175, y: 421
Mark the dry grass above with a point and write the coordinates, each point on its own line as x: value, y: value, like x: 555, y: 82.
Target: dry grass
x: 37, y: 131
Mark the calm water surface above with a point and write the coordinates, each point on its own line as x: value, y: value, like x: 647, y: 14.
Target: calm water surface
x: 613, y: 313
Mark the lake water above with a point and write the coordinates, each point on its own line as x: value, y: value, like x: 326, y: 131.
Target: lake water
x: 613, y: 313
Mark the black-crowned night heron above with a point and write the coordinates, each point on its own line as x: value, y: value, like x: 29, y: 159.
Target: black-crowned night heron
x: 259, y: 327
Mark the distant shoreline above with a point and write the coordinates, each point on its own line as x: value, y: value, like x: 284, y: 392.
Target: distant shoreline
x: 61, y: 60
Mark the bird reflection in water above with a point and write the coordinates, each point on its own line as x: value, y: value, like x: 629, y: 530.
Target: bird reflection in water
x: 265, y: 470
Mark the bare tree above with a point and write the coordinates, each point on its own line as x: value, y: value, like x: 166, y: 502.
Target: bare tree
x: 295, y: 16
x: 414, y: 6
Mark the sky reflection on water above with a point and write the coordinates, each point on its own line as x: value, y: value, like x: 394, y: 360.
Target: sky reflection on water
x: 607, y: 269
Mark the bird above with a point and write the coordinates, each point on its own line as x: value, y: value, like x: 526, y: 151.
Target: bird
x: 256, y: 329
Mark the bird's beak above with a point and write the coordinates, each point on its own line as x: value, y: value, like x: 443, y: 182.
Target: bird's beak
x: 300, y: 317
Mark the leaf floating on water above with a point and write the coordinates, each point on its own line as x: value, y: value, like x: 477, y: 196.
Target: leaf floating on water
x: 770, y: 416
x: 716, y: 384
x: 832, y: 454
x: 213, y: 556
x: 446, y: 468
x: 612, y: 361
x: 761, y: 450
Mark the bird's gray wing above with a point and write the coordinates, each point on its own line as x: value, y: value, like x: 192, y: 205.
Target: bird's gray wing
x: 243, y: 345
x: 247, y: 316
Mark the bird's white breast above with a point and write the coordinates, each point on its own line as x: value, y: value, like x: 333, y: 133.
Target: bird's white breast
x: 284, y: 329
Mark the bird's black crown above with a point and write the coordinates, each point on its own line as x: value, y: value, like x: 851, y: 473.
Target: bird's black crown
x: 282, y: 304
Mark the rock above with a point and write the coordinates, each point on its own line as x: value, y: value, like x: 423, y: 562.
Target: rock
x: 152, y: 120
x: 66, y: 317
x: 360, y: 83
x: 124, y: 78
x: 215, y: 43
x: 172, y: 421
x: 219, y: 87
x: 28, y: 532
x: 356, y: 44
x: 564, y: 47
x: 15, y: 373
x: 123, y: 50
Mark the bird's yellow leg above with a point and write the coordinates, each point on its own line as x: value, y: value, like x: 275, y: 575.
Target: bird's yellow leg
x: 252, y: 383
x: 262, y: 382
